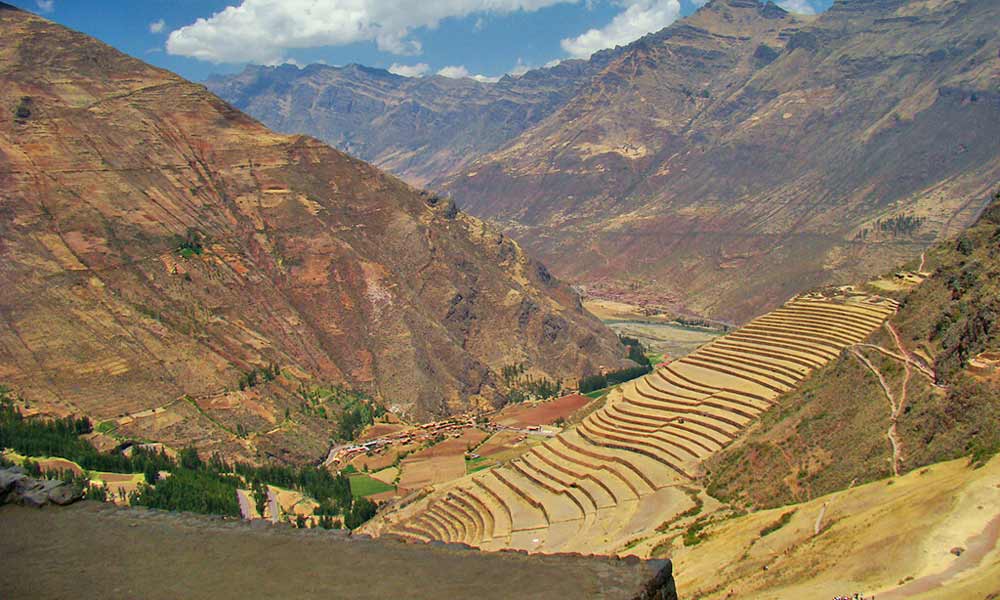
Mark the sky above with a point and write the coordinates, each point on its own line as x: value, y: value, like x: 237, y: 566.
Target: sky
x: 484, y: 39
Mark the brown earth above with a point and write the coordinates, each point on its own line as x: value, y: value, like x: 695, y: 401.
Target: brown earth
x: 542, y: 413
x: 133, y: 553
x: 310, y: 260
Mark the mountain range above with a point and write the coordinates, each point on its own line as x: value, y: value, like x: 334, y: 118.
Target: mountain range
x: 718, y: 166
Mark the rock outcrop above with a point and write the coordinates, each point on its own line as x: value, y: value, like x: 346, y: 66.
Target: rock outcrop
x: 16, y: 487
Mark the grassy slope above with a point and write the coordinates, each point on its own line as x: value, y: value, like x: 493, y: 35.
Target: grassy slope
x: 831, y: 432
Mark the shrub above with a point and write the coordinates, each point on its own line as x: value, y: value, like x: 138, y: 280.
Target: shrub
x: 23, y: 110
x: 781, y: 522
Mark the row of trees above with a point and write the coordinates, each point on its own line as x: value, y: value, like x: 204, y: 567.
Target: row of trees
x: 636, y: 353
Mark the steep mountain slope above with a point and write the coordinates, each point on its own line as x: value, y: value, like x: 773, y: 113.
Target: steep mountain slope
x: 156, y: 246
x: 744, y: 154
x: 417, y: 128
x: 918, y: 392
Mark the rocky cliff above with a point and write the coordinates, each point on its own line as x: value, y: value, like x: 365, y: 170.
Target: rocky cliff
x: 158, y: 246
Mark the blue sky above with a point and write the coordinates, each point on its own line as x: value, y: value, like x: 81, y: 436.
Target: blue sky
x: 483, y: 38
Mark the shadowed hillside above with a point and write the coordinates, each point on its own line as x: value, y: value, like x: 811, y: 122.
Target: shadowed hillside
x: 174, y: 268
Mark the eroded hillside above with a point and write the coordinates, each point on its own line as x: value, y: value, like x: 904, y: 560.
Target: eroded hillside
x: 745, y: 154
x: 172, y: 266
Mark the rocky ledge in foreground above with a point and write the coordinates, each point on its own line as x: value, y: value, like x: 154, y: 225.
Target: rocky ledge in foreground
x: 16, y: 487
x: 174, y: 555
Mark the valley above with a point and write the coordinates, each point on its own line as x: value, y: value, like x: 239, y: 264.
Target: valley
x: 712, y: 314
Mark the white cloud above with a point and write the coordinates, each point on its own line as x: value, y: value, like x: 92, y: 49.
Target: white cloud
x: 157, y: 26
x: 417, y: 70
x: 454, y: 72
x: 802, y: 7
x: 520, y: 68
x: 639, y: 18
x: 46, y: 6
x: 460, y: 72
x: 262, y: 31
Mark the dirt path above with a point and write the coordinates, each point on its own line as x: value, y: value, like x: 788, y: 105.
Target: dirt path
x: 923, y: 260
x: 910, y: 359
x: 893, y: 409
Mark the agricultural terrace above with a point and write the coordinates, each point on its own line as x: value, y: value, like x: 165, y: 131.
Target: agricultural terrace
x: 605, y: 482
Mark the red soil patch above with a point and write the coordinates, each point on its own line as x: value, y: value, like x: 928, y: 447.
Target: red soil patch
x: 544, y: 413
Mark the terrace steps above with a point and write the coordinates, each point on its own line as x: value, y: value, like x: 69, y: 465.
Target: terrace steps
x: 605, y: 478
x: 598, y: 487
x: 755, y: 349
x: 473, y: 534
x: 557, y: 483
x: 721, y: 405
x: 526, y: 511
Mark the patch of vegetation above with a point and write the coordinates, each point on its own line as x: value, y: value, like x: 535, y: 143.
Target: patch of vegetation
x: 23, y: 109
x: 693, y: 535
x: 363, y: 485
x: 256, y: 376
x: 593, y: 383
x: 982, y: 452
x: 192, y: 244
x: 194, y: 491
x: 636, y: 352
x: 781, y: 522
x: 354, y: 410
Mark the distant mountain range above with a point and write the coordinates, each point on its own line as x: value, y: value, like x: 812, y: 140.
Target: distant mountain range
x: 418, y: 128
x: 177, y: 272
x: 720, y: 165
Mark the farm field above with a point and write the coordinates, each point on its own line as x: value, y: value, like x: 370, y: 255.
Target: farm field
x: 439, y: 463
x: 541, y: 413
x: 362, y: 486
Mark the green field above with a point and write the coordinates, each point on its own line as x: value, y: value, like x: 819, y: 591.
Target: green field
x: 363, y: 485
